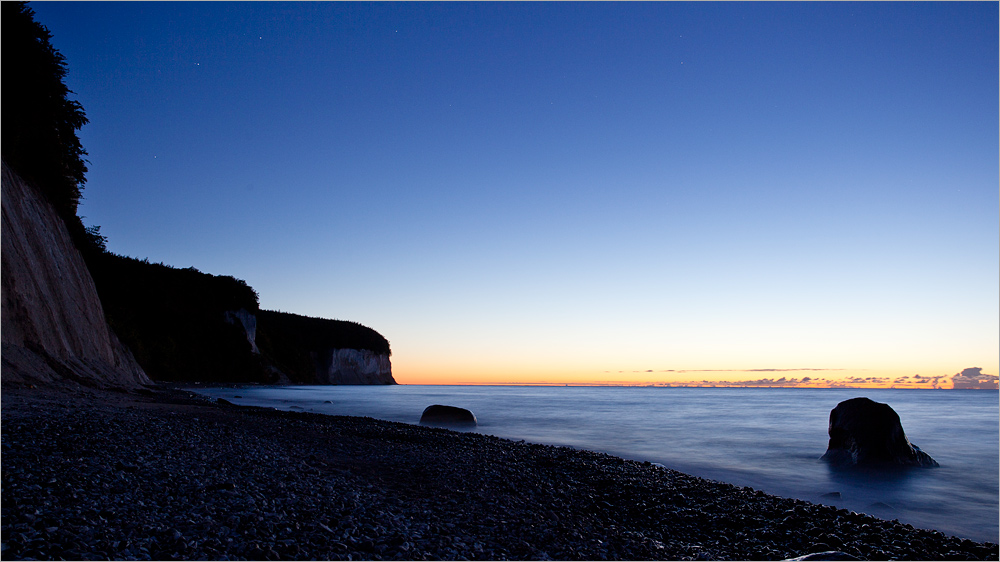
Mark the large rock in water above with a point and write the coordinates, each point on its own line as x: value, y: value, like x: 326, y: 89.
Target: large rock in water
x: 447, y: 415
x: 868, y: 433
x: 53, y: 326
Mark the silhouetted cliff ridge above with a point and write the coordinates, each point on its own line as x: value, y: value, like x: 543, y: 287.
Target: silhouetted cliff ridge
x: 188, y: 326
x: 53, y: 326
x: 323, y: 351
x: 62, y: 310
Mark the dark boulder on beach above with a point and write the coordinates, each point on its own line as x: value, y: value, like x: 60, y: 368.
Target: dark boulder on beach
x: 868, y: 433
x: 448, y: 415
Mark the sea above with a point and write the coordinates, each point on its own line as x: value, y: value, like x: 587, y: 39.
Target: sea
x: 770, y: 439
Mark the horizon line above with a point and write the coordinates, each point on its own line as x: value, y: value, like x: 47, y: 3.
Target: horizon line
x: 681, y: 385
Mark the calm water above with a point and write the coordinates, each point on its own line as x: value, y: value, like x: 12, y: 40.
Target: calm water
x: 770, y: 439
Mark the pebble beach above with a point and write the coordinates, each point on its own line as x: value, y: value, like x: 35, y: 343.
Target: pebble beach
x: 164, y: 474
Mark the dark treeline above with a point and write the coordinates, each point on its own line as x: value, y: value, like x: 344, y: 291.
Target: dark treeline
x: 176, y: 321
x: 39, y: 120
x: 290, y: 340
x: 316, y: 333
x: 176, y: 324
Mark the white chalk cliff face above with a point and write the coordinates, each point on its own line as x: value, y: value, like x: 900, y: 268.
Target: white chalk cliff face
x: 352, y: 366
x: 53, y: 326
x: 249, y: 323
x: 333, y: 366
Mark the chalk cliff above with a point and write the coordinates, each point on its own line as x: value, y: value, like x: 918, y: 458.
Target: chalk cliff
x: 249, y: 323
x: 187, y: 326
x: 63, y: 313
x: 352, y: 366
x: 53, y: 326
x: 304, y: 350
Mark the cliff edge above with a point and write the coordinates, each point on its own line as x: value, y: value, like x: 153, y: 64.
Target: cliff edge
x: 53, y: 326
x: 63, y: 313
x: 188, y: 326
x: 307, y: 350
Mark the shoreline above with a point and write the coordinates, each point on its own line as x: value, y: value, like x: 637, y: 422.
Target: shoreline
x: 166, y: 473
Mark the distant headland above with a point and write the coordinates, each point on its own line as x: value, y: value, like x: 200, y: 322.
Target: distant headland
x: 73, y: 312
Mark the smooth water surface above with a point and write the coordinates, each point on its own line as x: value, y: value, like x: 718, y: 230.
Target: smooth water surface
x: 767, y: 438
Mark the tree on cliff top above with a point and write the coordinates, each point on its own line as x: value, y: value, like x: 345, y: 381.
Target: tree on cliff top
x: 39, y: 121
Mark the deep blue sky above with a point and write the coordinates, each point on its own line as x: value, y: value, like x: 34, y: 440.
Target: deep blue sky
x: 552, y: 191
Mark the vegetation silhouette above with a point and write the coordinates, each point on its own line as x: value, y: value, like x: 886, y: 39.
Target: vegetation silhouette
x: 39, y: 120
x: 291, y: 342
x: 174, y: 320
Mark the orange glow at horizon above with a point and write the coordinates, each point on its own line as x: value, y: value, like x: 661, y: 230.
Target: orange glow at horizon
x: 501, y: 375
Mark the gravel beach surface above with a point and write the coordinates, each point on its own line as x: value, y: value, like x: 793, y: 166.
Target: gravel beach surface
x: 164, y: 474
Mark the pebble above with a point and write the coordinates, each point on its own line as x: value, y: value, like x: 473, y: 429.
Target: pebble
x: 164, y: 475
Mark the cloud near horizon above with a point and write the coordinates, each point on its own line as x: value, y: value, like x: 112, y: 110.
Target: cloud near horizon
x: 974, y: 378
x: 971, y: 378
x: 729, y: 370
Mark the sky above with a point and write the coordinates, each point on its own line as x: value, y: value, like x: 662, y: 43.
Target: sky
x: 668, y: 193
